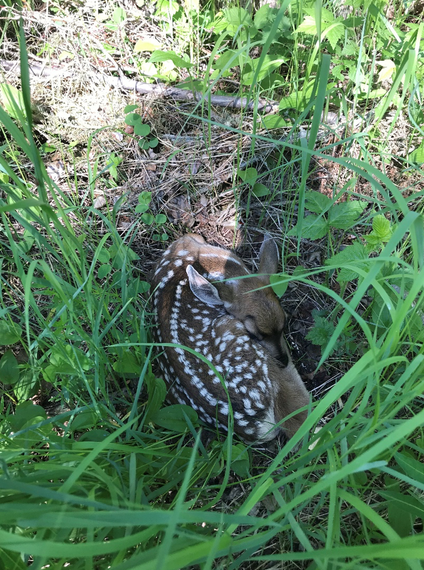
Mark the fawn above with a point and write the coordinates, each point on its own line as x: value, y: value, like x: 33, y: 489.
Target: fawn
x: 237, y: 325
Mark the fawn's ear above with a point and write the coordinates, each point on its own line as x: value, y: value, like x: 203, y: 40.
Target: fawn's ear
x: 268, y: 256
x: 202, y: 289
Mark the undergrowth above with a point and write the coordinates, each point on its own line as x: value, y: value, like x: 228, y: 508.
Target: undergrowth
x: 96, y: 470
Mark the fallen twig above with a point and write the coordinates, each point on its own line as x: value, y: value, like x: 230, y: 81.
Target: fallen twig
x: 176, y: 93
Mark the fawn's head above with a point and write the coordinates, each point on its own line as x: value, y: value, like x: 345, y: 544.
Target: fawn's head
x: 248, y: 298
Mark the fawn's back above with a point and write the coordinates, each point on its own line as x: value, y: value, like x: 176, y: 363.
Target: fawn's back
x: 237, y: 327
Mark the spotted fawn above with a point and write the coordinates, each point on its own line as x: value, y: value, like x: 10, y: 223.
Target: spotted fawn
x: 237, y: 325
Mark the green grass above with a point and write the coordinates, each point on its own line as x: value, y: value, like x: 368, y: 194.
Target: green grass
x: 95, y: 470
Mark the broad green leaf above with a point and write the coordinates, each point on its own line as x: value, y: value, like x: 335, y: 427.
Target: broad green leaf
x: 334, y: 33
x: 343, y: 216
x: 227, y: 56
x: 317, y: 202
x: 120, y: 254
x: 381, y: 227
x: 141, y: 208
x: 350, y: 255
x: 240, y: 460
x: 260, y: 190
x: 26, y: 387
x: 104, y: 255
x: 83, y: 420
x: 145, y: 197
x: 313, y: 227
x: 274, y: 122
x: 132, y: 119
x: 159, y: 55
x: 9, y: 370
x: 238, y: 17
x: 153, y: 143
x: 130, y: 108
x: 127, y: 364
x: 321, y: 332
x: 278, y: 287
x: 141, y: 129
x: 9, y: 334
x: 268, y: 65
x: 417, y: 155
x: 308, y: 26
x: 148, y: 219
x: 160, y: 219
x: 27, y: 413
x: 173, y: 417
x: 103, y: 271
x: 69, y: 360
x: 249, y: 175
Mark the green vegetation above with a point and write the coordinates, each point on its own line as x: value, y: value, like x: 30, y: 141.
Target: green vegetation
x: 96, y: 471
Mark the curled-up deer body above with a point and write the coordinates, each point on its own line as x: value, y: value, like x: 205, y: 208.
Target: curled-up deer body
x: 237, y: 325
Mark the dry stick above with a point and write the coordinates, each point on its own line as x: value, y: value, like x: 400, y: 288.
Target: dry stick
x: 127, y: 84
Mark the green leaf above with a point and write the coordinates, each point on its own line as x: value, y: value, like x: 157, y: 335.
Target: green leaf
x: 9, y: 370
x: 121, y: 254
x: 83, y: 420
x: 127, y: 364
x: 322, y: 331
x: 400, y: 520
x: 249, y: 175
x: 133, y: 119
x: 104, y: 255
x: 229, y: 55
x: 156, y: 389
x: 69, y: 360
x: 148, y: 219
x: 143, y: 144
x: 173, y: 417
x: 130, y: 108
x: 145, y: 197
x: 260, y: 190
x: 103, y: 271
x: 26, y: 387
x: 313, y: 227
x: 334, y: 33
x: 9, y: 334
x: 153, y: 143
x: 417, y: 155
x: 27, y: 414
x: 350, y: 255
x: 159, y: 55
x: 343, y: 216
x: 141, y: 208
x: 160, y: 219
x: 278, y: 287
x: 308, y: 26
x: 141, y: 129
x: 381, y: 227
x: 317, y: 202
x: 240, y: 460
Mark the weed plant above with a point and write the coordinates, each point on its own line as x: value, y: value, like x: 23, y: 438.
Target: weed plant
x: 96, y: 471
